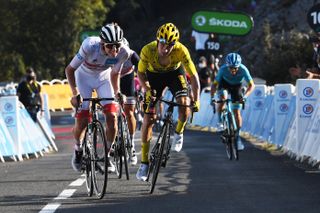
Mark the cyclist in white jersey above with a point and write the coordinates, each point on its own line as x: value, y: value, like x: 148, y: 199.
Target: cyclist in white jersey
x: 97, y: 66
x: 127, y: 87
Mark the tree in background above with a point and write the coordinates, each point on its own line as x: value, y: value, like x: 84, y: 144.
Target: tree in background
x: 44, y: 34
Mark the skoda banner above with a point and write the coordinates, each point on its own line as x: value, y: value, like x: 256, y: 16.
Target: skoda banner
x: 230, y: 23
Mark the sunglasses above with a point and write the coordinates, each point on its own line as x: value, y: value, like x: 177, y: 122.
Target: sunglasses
x: 233, y: 68
x: 110, y: 45
x: 164, y: 41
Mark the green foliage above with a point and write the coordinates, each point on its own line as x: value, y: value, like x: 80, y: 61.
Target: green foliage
x: 44, y: 34
x: 282, y: 51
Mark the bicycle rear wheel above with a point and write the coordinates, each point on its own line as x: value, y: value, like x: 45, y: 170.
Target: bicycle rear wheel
x: 100, y: 160
x: 86, y: 162
x: 160, y: 145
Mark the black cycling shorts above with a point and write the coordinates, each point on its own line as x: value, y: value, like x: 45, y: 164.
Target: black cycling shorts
x: 127, y: 85
x: 234, y: 90
x: 175, y: 80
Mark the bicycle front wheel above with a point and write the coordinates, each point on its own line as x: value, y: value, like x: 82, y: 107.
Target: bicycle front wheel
x: 100, y: 160
x: 157, y: 154
x: 124, y: 142
x: 87, y: 164
x: 233, y: 142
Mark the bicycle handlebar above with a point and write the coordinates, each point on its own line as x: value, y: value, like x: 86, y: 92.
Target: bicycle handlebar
x: 225, y: 101
x: 174, y: 104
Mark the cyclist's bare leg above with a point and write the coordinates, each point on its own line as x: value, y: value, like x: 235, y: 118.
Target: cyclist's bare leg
x: 237, y: 115
x: 146, y: 135
x: 111, y: 127
x: 183, y: 111
x: 129, y: 111
x: 146, y: 130
x: 80, y: 125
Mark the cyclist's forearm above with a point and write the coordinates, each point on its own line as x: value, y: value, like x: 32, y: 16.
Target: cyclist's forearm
x: 115, y: 81
x: 250, y: 89
x: 144, y: 81
x: 69, y: 71
x: 195, y: 85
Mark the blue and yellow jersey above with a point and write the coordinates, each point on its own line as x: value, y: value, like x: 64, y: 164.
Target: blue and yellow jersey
x: 241, y: 75
x: 149, y: 59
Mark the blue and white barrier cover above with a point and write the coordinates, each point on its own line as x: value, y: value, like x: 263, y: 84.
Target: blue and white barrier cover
x: 307, y: 97
x: 257, y: 104
x: 9, y: 109
x: 282, y: 99
x: 267, y: 122
x: 311, y: 143
x: 6, y: 142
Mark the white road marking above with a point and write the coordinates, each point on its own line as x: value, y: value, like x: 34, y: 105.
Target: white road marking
x: 78, y: 182
x: 50, y: 208
x: 65, y: 194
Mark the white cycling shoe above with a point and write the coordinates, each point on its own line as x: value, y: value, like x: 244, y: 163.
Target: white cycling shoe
x: 177, y: 142
x: 142, y: 172
x: 240, y: 144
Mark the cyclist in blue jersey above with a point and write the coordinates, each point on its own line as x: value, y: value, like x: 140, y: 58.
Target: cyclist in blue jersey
x: 230, y: 79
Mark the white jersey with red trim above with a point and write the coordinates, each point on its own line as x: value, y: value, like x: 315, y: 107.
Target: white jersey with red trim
x: 92, y: 58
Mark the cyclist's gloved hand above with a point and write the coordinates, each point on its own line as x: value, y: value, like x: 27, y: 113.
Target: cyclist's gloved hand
x: 150, y: 96
x: 121, y: 98
x: 196, y: 106
x: 244, y: 99
x: 75, y: 101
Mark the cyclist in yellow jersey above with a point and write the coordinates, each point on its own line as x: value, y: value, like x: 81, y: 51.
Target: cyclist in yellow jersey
x: 163, y: 63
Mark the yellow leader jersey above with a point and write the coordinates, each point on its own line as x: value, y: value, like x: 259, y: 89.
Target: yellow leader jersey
x: 149, y: 59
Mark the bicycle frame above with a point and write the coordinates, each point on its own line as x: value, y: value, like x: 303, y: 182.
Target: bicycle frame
x: 230, y: 127
x: 92, y: 159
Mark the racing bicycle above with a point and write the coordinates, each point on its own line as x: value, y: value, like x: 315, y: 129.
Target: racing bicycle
x: 228, y: 136
x: 160, y: 152
x: 95, y: 158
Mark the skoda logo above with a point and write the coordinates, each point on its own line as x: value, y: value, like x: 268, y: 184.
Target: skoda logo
x: 8, y: 107
x: 258, y: 93
x: 8, y: 120
x: 307, y: 109
x: 283, y: 94
x: 308, y: 92
x: 283, y: 107
x: 200, y: 20
x: 258, y: 104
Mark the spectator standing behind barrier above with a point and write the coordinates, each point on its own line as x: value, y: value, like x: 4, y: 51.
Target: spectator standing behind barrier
x: 199, y: 39
x: 314, y: 72
x: 212, y: 46
x: 29, y: 94
x: 204, y: 73
x: 213, y: 64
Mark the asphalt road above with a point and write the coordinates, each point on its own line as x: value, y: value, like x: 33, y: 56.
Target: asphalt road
x: 198, y: 179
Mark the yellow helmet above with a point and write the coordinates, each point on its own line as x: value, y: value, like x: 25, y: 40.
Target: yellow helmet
x: 168, y: 33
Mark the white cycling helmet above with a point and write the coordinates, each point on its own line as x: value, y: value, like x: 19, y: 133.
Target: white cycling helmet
x: 125, y: 42
x: 111, y: 33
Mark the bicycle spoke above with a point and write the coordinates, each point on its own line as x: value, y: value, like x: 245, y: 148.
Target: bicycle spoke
x: 87, y: 166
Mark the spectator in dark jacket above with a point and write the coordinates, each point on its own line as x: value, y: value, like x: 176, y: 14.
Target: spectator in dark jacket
x: 29, y: 94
